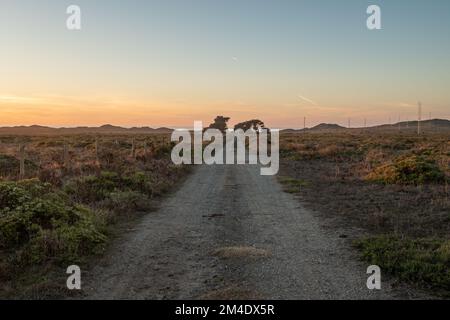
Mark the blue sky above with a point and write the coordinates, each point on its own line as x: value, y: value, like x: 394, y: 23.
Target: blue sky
x: 171, y: 62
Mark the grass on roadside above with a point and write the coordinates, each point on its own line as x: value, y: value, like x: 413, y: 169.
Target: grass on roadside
x: 292, y: 185
x: 424, y: 261
x: 38, y: 224
x: 385, y: 184
x: 415, y: 170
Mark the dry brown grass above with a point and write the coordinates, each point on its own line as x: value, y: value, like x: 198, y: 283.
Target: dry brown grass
x: 389, y: 188
x: 56, y: 158
x: 114, y: 178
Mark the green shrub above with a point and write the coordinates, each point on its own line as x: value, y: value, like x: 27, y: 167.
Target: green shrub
x: 37, y: 223
x: 94, y: 189
x: 425, y: 261
x: 126, y: 202
x: 9, y: 166
x: 163, y: 151
x: 140, y: 182
x: 91, y: 189
x: 11, y: 196
x: 292, y: 185
x: 415, y: 170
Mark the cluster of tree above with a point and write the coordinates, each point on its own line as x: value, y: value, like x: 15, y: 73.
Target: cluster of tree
x: 254, y: 124
x: 221, y: 123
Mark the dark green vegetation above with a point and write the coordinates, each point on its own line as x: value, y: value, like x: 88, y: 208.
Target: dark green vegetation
x: 38, y: 223
x: 292, y: 185
x: 423, y: 261
x: 413, y: 169
x: 76, y: 191
x: 388, y: 191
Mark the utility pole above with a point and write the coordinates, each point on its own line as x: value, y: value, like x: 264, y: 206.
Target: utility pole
x: 419, y: 118
x: 365, y: 123
x: 304, y: 124
x: 349, y: 120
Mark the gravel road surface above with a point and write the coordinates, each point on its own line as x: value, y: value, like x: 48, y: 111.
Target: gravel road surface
x: 230, y: 233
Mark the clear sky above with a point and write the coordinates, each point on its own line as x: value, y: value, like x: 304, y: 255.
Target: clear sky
x: 170, y: 62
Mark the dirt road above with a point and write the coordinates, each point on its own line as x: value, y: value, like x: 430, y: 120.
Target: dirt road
x: 229, y: 232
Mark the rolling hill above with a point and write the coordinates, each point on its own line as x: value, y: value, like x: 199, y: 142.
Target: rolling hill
x: 105, y: 129
x: 426, y: 126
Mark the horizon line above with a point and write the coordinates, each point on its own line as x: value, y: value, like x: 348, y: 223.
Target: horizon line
x: 187, y: 127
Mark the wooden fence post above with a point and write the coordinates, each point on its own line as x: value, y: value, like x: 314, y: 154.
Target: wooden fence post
x: 133, y: 148
x: 22, y: 161
x: 97, y: 159
x: 66, y: 155
x: 145, y: 148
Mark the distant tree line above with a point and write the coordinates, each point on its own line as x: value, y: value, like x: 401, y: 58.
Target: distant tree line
x: 221, y: 123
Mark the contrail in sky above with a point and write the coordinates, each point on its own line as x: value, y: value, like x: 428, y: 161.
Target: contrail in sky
x: 307, y: 100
